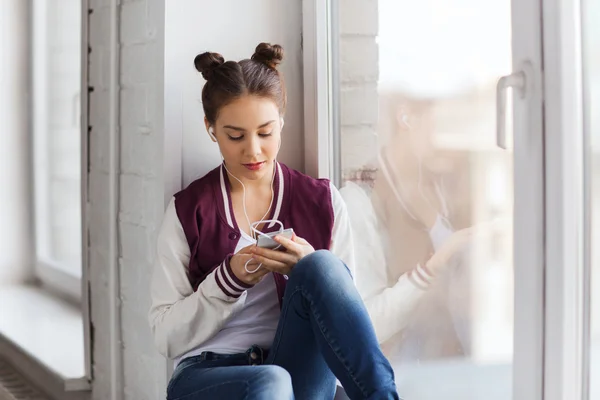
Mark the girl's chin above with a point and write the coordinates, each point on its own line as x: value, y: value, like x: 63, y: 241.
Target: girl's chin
x: 253, y: 172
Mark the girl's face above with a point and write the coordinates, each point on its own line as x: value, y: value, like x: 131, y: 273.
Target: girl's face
x: 248, y: 131
x: 416, y: 127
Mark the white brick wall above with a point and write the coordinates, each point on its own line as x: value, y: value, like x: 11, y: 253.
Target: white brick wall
x: 359, y: 72
x: 141, y: 182
x: 140, y: 188
x: 358, y: 59
x: 359, y: 18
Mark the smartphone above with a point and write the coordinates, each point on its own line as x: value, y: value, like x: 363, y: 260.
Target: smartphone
x: 267, y: 241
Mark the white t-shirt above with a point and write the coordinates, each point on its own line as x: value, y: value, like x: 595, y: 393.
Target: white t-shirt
x: 256, y: 323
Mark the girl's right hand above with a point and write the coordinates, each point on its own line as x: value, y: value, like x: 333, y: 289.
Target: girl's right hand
x: 452, y: 246
x: 238, y: 261
x: 459, y: 239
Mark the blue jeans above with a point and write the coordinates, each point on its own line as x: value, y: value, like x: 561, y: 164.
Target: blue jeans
x: 324, y: 332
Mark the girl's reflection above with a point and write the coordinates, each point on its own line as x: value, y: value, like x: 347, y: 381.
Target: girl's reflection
x: 414, y: 229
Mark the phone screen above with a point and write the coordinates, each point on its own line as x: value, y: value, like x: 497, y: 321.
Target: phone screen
x: 268, y: 243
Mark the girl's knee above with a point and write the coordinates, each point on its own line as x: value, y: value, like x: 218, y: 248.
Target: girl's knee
x: 273, y: 382
x: 321, y: 264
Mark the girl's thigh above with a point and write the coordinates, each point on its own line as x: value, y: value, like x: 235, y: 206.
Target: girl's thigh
x: 198, y: 382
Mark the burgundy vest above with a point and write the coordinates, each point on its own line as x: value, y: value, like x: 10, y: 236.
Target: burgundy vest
x: 205, y: 211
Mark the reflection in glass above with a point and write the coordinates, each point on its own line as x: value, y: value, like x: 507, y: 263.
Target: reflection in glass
x: 431, y: 205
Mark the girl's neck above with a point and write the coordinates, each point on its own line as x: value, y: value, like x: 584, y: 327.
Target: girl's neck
x: 404, y: 163
x: 253, y: 185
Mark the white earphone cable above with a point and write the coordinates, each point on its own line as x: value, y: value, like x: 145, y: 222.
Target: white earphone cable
x: 254, y: 232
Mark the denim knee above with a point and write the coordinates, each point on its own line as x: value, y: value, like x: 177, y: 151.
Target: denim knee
x: 272, y: 382
x: 321, y: 266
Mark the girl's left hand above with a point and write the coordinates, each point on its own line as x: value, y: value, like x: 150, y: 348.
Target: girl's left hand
x: 283, y: 261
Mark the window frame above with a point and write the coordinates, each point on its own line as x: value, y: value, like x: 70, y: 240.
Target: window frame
x: 49, y: 274
x: 530, y: 367
x: 85, y: 281
x: 588, y: 197
x: 567, y: 299
x: 321, y: 120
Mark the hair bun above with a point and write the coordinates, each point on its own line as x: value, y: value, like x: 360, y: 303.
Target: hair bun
x: 270, y: 55
x: 206, y: 63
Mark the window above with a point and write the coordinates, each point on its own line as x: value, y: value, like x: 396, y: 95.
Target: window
x: 415, y: 86
x: 591, y: 69
x: 57, y: 143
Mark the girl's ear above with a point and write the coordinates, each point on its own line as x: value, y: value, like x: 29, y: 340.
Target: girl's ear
x: 210, y: 130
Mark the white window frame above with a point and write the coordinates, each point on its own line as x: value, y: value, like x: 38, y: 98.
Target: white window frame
x: 588, y: 177
x: 566, y: 352
x: 528, y: 233
x: 84, y: 284
x: 53, y: 276
x: 74, y: 288
x: 317, y: 34
x: 530, y: 368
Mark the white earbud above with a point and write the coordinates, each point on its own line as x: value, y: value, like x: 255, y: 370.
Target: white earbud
x: 211, y: 133
x: 281, y: 122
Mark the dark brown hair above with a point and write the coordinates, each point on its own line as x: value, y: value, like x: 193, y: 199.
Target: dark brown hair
x: 227, y: 81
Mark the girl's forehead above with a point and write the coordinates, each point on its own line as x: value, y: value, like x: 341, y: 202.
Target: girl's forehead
x: 249, y: 108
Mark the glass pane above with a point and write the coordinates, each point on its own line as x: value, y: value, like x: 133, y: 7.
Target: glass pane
x: 57, y: 133
x: 591, y: 68
x: 428, y: 191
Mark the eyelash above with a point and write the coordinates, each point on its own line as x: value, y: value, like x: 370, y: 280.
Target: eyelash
x: 264, y: 135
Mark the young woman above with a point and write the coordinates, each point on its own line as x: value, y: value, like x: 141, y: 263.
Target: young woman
x: 414, y: 280
x: 248, y: 322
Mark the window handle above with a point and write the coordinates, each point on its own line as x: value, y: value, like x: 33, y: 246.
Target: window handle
x: 517, y: 81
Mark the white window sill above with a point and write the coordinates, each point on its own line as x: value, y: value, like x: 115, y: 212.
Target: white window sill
x: 42, y: 336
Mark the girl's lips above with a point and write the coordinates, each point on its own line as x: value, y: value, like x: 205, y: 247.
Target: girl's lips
x: 254, y: 166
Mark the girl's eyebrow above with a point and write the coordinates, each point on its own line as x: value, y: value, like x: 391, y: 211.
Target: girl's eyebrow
x: 236, y: 128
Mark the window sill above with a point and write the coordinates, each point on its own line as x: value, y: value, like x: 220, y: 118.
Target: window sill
x: 42, y: 337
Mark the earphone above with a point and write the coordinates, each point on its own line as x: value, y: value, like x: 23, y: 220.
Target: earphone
x: 282, y: 122
x: 211, y: 133
x: 420, y: 170
x: 253, y: 225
